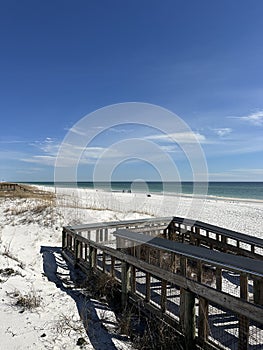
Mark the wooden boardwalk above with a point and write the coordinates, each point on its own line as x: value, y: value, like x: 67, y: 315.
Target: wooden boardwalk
x: 203, y: 280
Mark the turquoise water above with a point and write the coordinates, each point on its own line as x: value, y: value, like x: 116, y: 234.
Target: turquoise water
x: 242, y: 190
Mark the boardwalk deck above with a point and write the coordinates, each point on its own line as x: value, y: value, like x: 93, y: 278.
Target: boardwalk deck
x: 233, y: 262
x: 201, y: 280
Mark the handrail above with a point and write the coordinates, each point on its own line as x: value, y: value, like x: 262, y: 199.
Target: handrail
x: 224, y: 260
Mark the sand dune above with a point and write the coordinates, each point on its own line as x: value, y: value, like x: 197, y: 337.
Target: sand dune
x: 32, y: 268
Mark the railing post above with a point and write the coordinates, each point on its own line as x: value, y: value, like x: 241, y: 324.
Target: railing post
x: 125, y: 283
x: 64, y: 239
x: 75, y: 250
x: 197, y: 230
x: 224, y: 241
x: 183, y: 263
x: 106, y: 234
x: 243, y: 324
x: 218, y: 278
x: 164, y: 296
x: 92, y: 257
x: 199, y: 271
x: 97, y: 239
x: 101, y: 234
x: 103, y: 262
x: 70, y: 242
x: 86, y: 252
x: 133, y: 279
x: 187, y: 310
x: 79, y: 250
x: 147, y: 287
x: 189, y: 320
x: 258, y: 290
x: 112, y: 266
x: 203, y: 320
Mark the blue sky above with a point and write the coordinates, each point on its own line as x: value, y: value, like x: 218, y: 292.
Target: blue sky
x: 61, y: 60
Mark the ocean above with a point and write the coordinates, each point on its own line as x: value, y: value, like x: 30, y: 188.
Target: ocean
x: 241, y: 190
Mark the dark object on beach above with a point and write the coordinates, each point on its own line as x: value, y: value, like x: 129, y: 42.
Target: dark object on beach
x: 81, y: 341
x: 148, y: 195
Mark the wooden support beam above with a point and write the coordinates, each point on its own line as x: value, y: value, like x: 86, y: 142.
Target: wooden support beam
x: 101, y: 235
x: 224, y: 241
x: 103, y: 262
x: 76, y: 242
x: 147, y: 287
x: 188, y: 324
x: 97, y: 239
x: 243, y: 328
x: 203, y: 325
x: 112, y: 267
x: 133, y: 279
x: 218, y: 278
x: 199, y: 271
x: 160, y: 258
x: 92, y: 257
x: 163, y: 296
x: 197, y: 231
x: 125, y: 283
x: 80, y: 250
x: 243, y: 324
x: 258, y: 291
x: 64, y: 239
x: 244, y: 286
x: 106, y: 234
x: 138, y: 251
x: 183, y: 265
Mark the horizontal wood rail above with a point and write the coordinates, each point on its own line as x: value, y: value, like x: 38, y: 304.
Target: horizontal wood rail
x: 216, y: 238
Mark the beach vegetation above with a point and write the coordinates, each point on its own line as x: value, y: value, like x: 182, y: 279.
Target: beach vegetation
x: 26, y: 301
x: 68, y: 324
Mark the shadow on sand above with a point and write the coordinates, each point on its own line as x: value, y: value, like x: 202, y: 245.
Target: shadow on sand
x: 58, y: 271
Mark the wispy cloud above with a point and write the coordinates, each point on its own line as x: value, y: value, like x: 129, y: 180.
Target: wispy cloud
x: 77, y: 131
x: 11, y: 155
x: 239, y: 174
x: 43, y: 160
x: 255, y: 118
x: 46, y: 152
x: 222, y: 131
x: 49, y: 145
x: 180, y: 137
x: 170, y: 148
x: 10, y: 142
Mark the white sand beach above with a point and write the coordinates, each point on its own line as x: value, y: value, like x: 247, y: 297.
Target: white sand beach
x: 30, y: 230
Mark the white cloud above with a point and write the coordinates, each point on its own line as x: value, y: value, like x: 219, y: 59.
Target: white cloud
x: 44, y: 160
x: 180, y: 137
x: 255, y: 118
x: 77, y: 131
x: 170, y: 148
x: 222, y: 131
x: 49, y: 145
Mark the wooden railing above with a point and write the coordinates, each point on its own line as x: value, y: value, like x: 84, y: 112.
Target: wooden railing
x: 184, y: 284
x: 214, y: 237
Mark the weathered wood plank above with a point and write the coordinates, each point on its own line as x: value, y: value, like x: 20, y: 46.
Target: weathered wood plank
x: 233, y: 262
